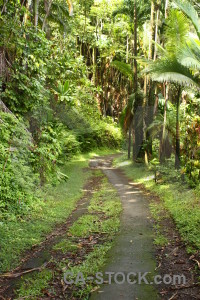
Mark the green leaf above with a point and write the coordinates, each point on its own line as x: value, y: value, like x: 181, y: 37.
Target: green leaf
x: 124, y: 68
x: 66, y: 86
x: 190, y: 12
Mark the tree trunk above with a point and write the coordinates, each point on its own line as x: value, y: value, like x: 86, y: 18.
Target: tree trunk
x: 4, y: 7
x: 178, y: 155
x: 166, y: 8
x: 151, y: 84
x: 135, y: 84
x: 163, y: 140
x: 94, y: 64
x: 152, y: 35
x: 127, y: 49
x: 144, y: 120
x: 70, y: 7
x: 156, y: 33
x: 129, y: 141
x: 35, y: 12
x: 47, y: 6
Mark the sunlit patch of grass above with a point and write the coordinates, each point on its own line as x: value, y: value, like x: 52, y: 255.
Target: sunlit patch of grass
x: 106, y: 201
x: 110, y: 225
x: 158, y: 211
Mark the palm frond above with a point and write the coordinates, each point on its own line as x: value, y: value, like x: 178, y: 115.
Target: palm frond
x: 170, y: 70
x: 121, y: 11
x: 160, y: 48
x: 189, y: 56
x: 156, y: 127
x: 190, y: 12
x: 176, y: 31
x: 127, y: 114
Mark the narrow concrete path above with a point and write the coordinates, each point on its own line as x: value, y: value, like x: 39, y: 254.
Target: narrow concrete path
x: 133, y: 250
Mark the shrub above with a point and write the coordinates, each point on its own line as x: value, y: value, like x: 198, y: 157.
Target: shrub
x: 100, y: 136
x: 18, y: 182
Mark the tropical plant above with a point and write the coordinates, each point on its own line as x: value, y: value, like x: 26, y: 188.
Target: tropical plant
x: 175, y: 64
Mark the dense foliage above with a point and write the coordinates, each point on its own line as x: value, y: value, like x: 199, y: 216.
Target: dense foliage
x: 49, y: 110
x: 69, y: 71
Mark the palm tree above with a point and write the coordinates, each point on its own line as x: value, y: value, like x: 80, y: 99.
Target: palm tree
x: 164, y: 129
x: 179, y: 59
x: 138, y: 13
x: 50, y: 6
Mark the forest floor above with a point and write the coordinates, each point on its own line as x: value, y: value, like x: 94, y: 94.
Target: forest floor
x: 99, y: 237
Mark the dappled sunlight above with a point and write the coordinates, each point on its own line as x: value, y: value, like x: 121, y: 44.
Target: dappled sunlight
x: 125, y: 163
x: 134, y: 183
x: 133, y: 200
x: 133, y: 192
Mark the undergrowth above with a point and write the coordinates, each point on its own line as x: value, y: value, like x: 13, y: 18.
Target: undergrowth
x: 54, y: 206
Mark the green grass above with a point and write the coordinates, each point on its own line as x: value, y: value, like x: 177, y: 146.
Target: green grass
x: 159, y: 213
x: 33, y: 284
x: 65, y: 246
x: 85, y: 226
x: 160, y: 240
x: 178, y: 199
x: 91, y: 265
x: 106, y: 202
x: 102, y: 217
x: 55, y: 206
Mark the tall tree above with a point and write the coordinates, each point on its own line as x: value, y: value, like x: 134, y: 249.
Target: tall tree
x: 36, y: 12
x: 175, y: 63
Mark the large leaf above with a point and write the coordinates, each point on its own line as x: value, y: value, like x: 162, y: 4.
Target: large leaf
x: 124, y: 68
x: 66, y: 86
x: 170, y: 70
x: 176, y: 31
x: 190, y: 12
x: 189, y: 56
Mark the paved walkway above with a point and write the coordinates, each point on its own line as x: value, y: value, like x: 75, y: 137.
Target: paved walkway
x: 133, y: 249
